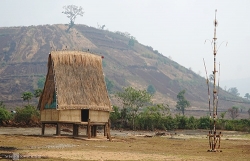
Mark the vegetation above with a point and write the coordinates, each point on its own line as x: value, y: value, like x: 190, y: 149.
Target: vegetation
x: 28, y: 114
x: 139, y: 113
x: 151, y: 89
x: 234, y: 91
x: 247, y: 96
x: 132, y: 100
x: 72, y: 12
x: 109, y: 85
x: 40, y: 82
x: 182, y: 103
x: 27, y: 96
x: 38, y: 93
x: 24, y: 115
x: 158, y: 117
x: 131, y: 41
x: 233, y: 112
x: 4, y: 113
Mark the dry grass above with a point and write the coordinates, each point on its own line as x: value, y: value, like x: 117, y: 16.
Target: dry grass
x: 128, y: 148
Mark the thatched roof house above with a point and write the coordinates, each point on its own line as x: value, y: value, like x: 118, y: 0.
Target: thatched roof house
x: 74, y: 81
x: 75, y: 89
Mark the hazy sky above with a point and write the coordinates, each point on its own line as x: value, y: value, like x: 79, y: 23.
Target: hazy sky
x: 176, y: 28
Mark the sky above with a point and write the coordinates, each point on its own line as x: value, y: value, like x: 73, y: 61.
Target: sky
x: 176, y: 28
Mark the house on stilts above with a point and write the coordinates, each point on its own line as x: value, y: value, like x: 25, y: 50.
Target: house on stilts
x: 75, y: 93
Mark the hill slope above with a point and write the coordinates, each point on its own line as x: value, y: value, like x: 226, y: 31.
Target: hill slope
x: 24, y: 52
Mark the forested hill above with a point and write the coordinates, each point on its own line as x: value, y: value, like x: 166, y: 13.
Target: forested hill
x: 24, y: 53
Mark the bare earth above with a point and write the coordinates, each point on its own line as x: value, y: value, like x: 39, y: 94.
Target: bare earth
x: 125, y: 145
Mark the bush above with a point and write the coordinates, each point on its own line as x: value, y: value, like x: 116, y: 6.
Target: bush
x: 182, y: 121
x: 28, y: 114
x: 115, y: 117
x: 170, y: 123
x: 4, y: 114
x: 204, y: 123
x: 229, y: 126
x: 192, y: 123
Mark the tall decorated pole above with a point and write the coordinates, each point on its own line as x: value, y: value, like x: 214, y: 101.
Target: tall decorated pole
x: 214, y: 137
x: 214, y: 73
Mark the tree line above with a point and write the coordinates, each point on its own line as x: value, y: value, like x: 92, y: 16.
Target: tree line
x: 137, y: 112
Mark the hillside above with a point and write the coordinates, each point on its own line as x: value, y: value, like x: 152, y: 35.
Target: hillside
x: 24, y: 52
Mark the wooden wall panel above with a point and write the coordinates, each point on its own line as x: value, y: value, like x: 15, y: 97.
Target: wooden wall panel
x: 98, y: 116
x: 70, y: 115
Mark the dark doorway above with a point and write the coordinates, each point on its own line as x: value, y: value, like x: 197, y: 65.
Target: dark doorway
x: 85, y: 115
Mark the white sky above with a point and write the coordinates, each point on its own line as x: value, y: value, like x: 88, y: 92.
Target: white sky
x: 176, y: 28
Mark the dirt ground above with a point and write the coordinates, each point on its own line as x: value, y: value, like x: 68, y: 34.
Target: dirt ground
x: 125, y: 145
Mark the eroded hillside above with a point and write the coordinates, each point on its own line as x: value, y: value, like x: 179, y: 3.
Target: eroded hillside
x: 24, y: 53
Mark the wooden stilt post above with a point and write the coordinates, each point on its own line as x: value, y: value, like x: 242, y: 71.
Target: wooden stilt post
x: 105, y: 129
x: 89, y: 129
x: 43, y: 128
x: 95, y: 130
x: 58, y: 129
x: 75, y: 130
x: 108, y: 131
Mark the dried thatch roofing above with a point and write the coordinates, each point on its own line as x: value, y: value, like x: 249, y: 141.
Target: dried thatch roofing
x: 77, y: 80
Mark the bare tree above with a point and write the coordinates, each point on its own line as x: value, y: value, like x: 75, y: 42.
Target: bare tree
x: 72, y: 12
x: 233, y: 112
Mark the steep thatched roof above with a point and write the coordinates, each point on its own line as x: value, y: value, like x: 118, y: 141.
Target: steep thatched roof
x: 75, y: 80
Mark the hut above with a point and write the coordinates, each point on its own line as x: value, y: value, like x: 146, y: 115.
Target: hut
x: 75, y: 93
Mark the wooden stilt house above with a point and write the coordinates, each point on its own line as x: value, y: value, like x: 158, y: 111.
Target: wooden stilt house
x: 75, y: 93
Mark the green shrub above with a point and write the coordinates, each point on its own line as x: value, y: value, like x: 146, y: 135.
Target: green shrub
x: 170, y: 123
x: 204, y: 123
x: 229, y: 126
x: 181, y: 121
x: 192, y: 123
x: 4, y: 114
x: 27, y: 114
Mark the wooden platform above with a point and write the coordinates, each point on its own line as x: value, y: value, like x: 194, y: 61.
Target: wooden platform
x: 91, y: 128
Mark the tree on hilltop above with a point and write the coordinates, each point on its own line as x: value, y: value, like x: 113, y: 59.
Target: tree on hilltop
x: 72, y: 12
x: 247, y: 96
